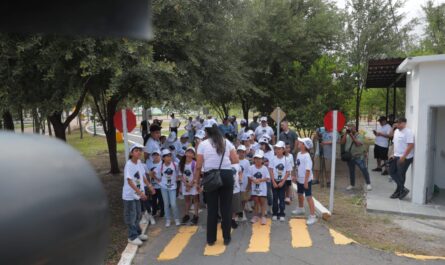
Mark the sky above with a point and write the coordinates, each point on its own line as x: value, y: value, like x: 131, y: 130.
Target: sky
x: 412, y: 8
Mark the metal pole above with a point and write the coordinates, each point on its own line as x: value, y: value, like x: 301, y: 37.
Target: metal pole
x: 394, y: 110
x: 278, y: 125
x: 124, y: 125
x: 387, y: 102
x: 334, y: 151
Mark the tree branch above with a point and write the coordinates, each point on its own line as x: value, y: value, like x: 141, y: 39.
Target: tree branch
x: 78, y: 105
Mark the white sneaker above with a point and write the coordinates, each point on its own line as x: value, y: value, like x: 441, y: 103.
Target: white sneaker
x: 298, y: 211
x: 167, y: 223
x: 274, y: 218
x: 244, y: 218
x: 248, y: 207
x: 350, y: 187
x: 389, y: 179
x: 181, y: 197
x: 143, y: 237
x: 151, y: 219
x: 135, y: 241
x: 192, y: 207
x: 287, y: 199
x: 282, y: 219
x: 144, y: 220
x: 312, y: 219
x: 178, y: 222
x: 368, y: 187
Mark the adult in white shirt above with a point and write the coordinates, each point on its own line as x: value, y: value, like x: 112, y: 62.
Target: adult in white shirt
x: 264, y: 129
x: 213, y: 154
x: 403, y: 139
x: 382, y: 144
x: 174, y: 124
x: 153, y: 142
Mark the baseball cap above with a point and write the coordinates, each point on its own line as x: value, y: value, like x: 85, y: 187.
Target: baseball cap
x: 171, y: 137
x: 136, y: 145
x: 307, y: 142
x: 264, y: 118
x: 184, y: 135
x: 241, y: 148
x: 190, y: 148
x: 245, y: 137
x: 156, y: 151
x: 263, y: 140
x: 243, y: 121
x: 259, y: 154
x: 250, y: 132
x: 280, y: 144
x: 266, y: 136
x: 165, y: 152
x: 209, y: 123
x: 200, y: 134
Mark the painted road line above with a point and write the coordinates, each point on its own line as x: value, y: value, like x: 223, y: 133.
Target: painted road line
x: 419, y: 257
x: 300, y: 234
x: 340, y: 239
x: 177, y: 244
x: 260, y: 239
x: 218, y: 248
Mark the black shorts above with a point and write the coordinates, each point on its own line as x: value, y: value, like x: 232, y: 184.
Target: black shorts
x: 288, y: 182
x: 380, y: 152
x: 307, y: 192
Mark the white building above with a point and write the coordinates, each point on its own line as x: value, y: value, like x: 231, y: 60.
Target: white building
x: 425, y: 112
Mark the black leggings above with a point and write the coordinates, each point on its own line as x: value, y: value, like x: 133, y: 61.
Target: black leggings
x: 220, y: 200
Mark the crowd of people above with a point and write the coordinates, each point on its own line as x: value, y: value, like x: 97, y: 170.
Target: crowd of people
x: 257, y: 169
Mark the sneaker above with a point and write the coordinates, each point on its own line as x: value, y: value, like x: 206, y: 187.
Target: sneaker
x: 167, y: 223
x: 350, y: 187
x: 368, y: 187
x: 298, y: 211
x: 385, y: 173
x: 234, y: 224
x: 185, y: 219
x: 135, y: 241
x: 144, y: 220
x: 178, y: 222
x: 274, y: 218
x: 254, y: 219
x: 287, y: 200
x: 389, y: 179
x: 151, y: 219
x: 312, y: 219
x: 192, y: 207
x: 181, y: 197
x: 263, y: 220
x: 244, y: 218
x: 395, y: 195
x: 377, y: 169
x: 195, y: 220
x: 403, y: 193
x: 282, y: 219
x: 143, y: 237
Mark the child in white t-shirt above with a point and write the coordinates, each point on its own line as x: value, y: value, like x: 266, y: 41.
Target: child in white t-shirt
x: 189, y: 187
x: 304, y: 179
x: 236, y: 197
x: 157, y: 202
x: 289, y: 157
x: 132, y: 192
x: 166, y: 178
x: 259, y: 176
x: 245, y: 165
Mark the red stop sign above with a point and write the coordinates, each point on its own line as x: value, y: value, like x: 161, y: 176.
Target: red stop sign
x: 328, y: 121
x: 131, y: 120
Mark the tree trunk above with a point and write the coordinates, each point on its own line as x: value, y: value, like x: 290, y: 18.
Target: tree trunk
x: 50, y: 132
x: 22, y: 123
x: 245, y: 108
x: 59, y: 128
x: 111, y: 136
x: 8, y: 121
x: 69, y: 124
x: 36, y: 121
x: 80, y: 125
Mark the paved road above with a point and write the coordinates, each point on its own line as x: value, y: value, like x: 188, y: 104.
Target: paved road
x: 290, y: 242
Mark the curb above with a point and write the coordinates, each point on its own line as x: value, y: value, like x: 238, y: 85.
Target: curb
x: 130, y: 251
x: 320, y: 210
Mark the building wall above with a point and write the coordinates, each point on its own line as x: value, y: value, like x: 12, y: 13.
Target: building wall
x: 439, y: 163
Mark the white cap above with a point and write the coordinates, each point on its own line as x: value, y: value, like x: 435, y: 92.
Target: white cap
x: 245, y: 137
x: 263, y: 140
x: 171, y: 137
x: 280, y: 144
x: 191, y: 148
x: 185, y: 135
x: 243, y: 121
x: 307, y: 142
x: 200, y: 134
x: 250, y: 132
x: 209, y: 123
x: 181, y: 152
x: 259, y: 154
x: 241, y: 148
x: 165, y: 151
x: 264, y: 118
x: 266, y: 136
x: 136, y: 145
x: 156, y: 151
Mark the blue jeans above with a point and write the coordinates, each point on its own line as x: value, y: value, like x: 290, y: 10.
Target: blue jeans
x: 169, y: 197
x: 132, y: 216
x: 362, y: 166
x: 278, y: 200
x: 398, y: 170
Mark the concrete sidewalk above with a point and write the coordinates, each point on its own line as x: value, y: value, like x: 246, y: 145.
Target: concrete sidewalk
x: 378, y: 199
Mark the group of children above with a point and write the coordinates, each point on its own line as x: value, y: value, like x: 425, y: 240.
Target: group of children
x: 263, y: 178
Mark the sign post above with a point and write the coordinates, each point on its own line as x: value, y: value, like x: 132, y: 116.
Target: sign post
x: 124, y: 126
x: 125, y: 121
x: 334, y: 152
x: 277, y: 115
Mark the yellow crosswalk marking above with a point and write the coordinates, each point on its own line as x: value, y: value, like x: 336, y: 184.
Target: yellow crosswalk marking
x: 419, y: 257
x: 340, y: 239
x: 300, y: 234
x: 178, y: 243
x: 218, y: 248
x: 260, y: 239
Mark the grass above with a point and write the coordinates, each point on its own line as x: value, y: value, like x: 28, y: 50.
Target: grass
x: 90, y: 145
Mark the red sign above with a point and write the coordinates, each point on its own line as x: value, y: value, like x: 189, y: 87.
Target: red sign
x: 131, y: 120
x: 329, y: 120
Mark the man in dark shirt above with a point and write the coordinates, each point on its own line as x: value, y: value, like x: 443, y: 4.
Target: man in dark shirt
x: 289, y: 136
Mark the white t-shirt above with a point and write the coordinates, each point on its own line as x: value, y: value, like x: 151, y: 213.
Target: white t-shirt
x: 280, y: 166
x: 152, y: 145
x: 290, y: 157
x: 259, y: 173
x: 151, y: 167
x: 174, y: 123
x: 260, y: 131
x: 188, y: 175
x: 401, y: 141
x: 269, y: 155
x: 236, y: 169
x: 211, y: 158
x: 380, y: 140
x: 136, y: 173
x: 245, y: 165
x: 304, y: 162
x: 167, y: 175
